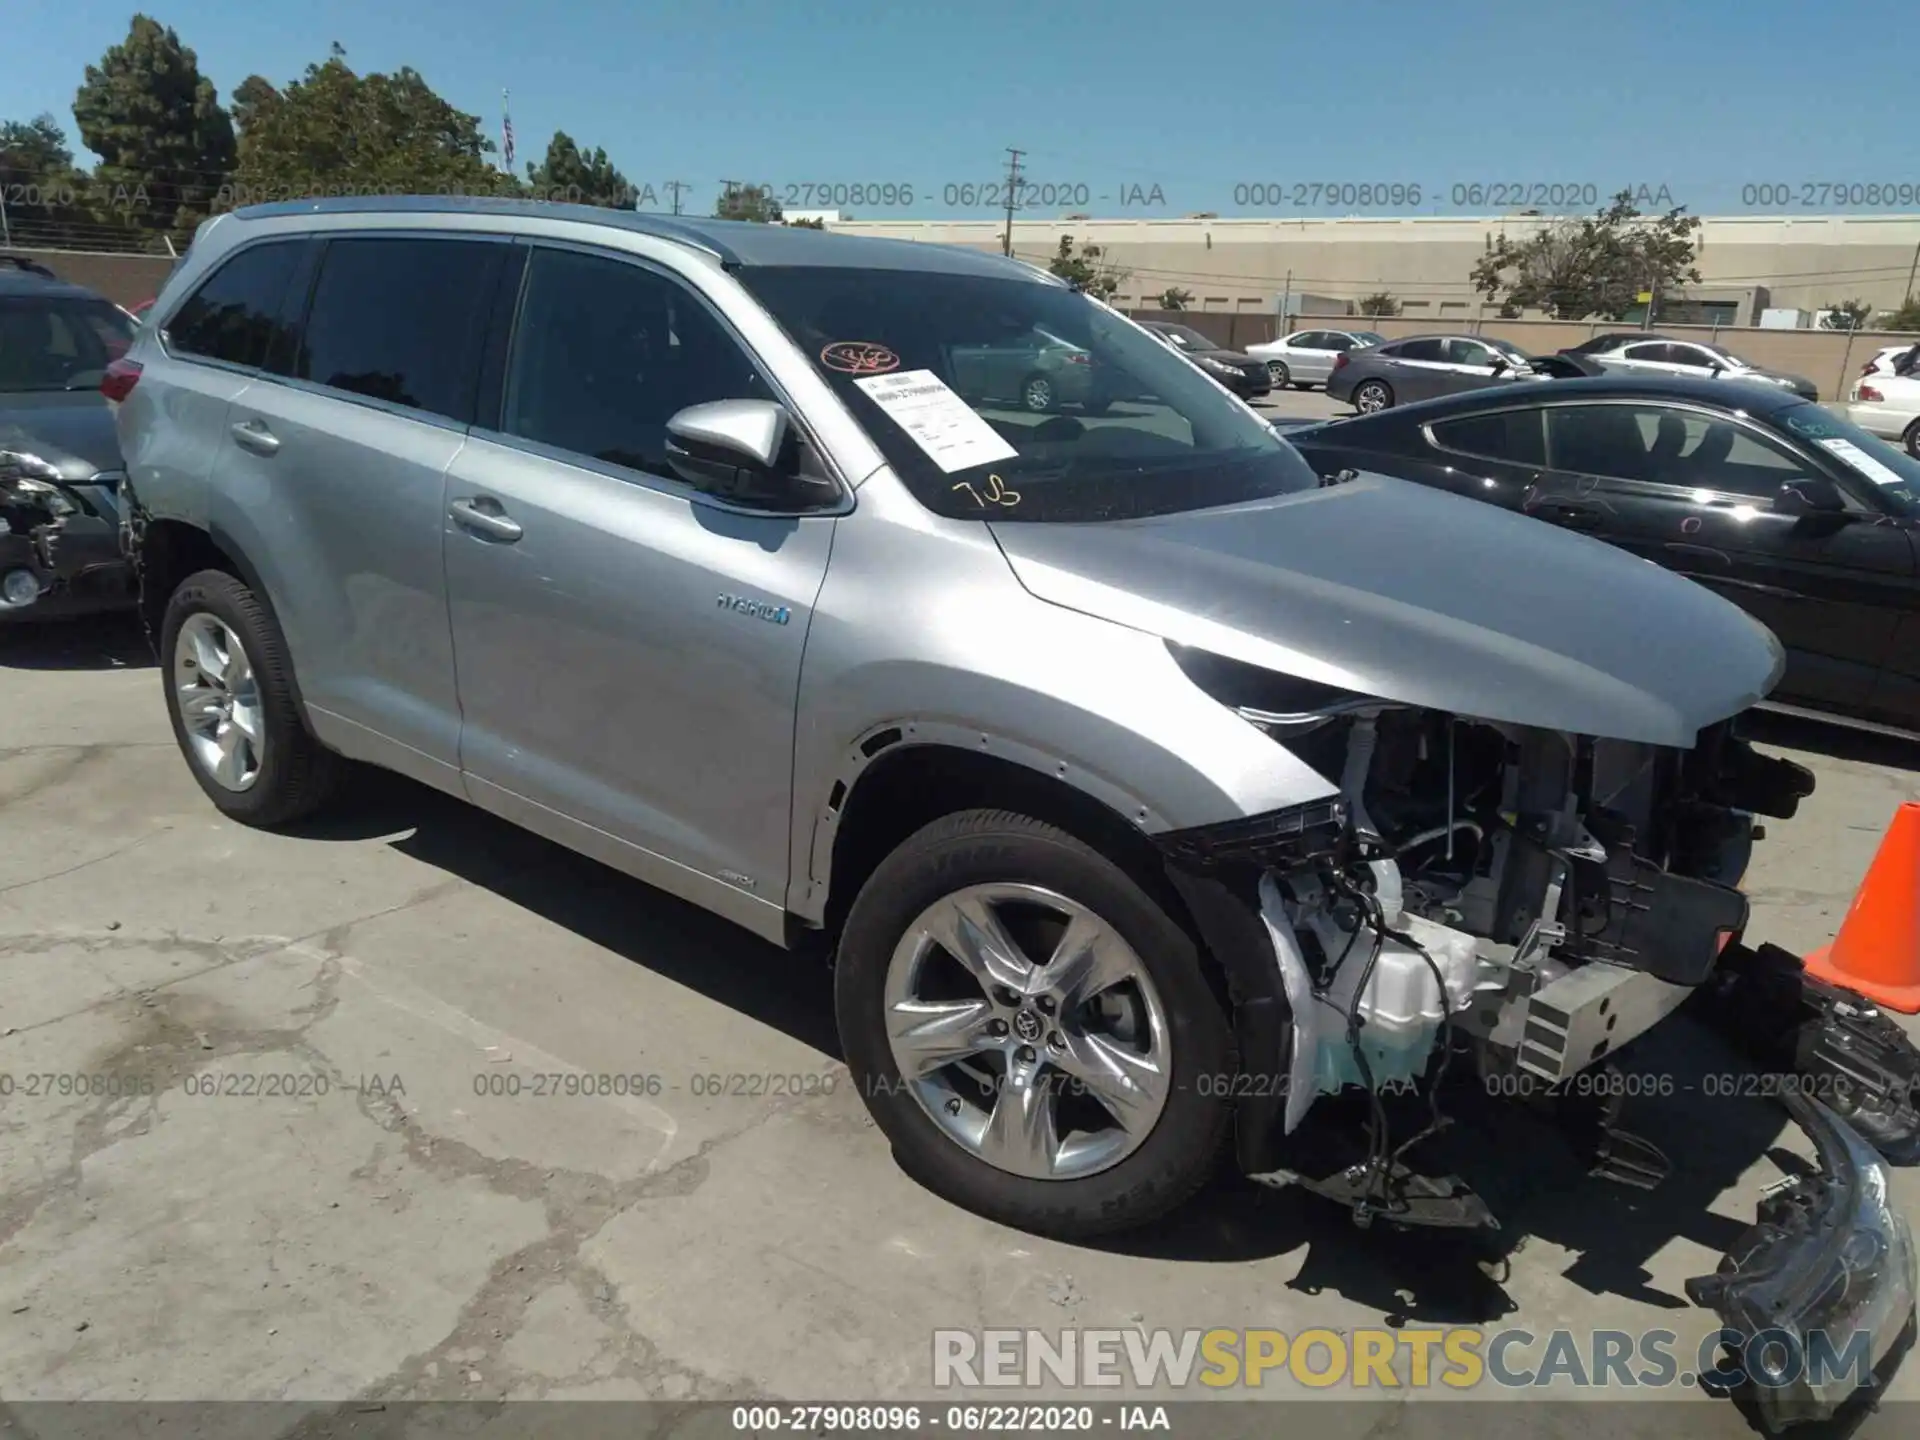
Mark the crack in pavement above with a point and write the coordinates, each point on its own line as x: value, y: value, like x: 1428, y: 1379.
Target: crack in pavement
x: 168, y: 1044
x: 83, y: 864
x: 78, y: 759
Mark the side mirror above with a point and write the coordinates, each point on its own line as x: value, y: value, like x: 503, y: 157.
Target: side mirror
x: 1812, y: 495
x: 1499, y: 363
x: 732, y: 449
x: 1716, y: 369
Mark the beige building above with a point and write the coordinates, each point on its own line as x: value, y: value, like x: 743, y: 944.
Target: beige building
x: 1747, y: 263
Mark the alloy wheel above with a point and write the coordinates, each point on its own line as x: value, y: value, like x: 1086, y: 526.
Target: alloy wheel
x: 219, y: 701
x: 1028, y: 1030
x: 1037, y: 394
x: 1372, y: 396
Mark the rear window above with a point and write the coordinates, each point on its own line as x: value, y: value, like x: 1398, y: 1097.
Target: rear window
x: 401, y: 320
x: 57, y: 342
x: 236, y: 315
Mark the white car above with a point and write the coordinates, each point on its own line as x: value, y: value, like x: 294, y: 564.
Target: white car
x: 1307, y: 357
x: 1888, y: 406
x: 1660, y: 355
x: 1894, y: 360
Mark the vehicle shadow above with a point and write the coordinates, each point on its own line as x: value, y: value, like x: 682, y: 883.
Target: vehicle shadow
x: 109, y: 641
x: 1841, y: 742
x: 1425, y: 1276
x: 790, y: 992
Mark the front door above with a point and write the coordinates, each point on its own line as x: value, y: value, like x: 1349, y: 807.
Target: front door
x: 1694, y: 490
x: 628, y: 648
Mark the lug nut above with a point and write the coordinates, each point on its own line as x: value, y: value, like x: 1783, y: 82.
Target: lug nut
x: 1024, y: 1055
x: 1005, y: 996
x: 1057, y: 1040
x: 1045, y: 1002
x: 998, y: 1027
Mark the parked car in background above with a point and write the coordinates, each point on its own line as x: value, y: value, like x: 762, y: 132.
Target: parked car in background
x: 1240, y: 373
x: 1636, y: 352
x: 1800, y: 517
x: 1032, y: 369
x: 59, y: 457
x: 1888, y: 405
x: 1423, y: 366
x: 1305, y: 358
x: 1894, y: 360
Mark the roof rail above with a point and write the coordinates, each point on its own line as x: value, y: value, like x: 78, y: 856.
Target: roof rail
x: 32, y: 267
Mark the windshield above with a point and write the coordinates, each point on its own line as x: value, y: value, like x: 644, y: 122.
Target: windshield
x: 942, y: 371
x: 59, y: 342
x: 1893, y: 473
x: 1186, y: 339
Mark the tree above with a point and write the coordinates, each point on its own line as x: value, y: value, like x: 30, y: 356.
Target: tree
x: 580, y: 177
x: 1381, y: 302
x: 816, y: 223
x: 1907, y: 317
x: 52, y: 202
x: 1846, y: 315
x: 334, y: 132
x: 747, y: 202
x: 157, y: 126
x: 1174, y: 298
x: 1086, y: 269
x: 1585, y: 266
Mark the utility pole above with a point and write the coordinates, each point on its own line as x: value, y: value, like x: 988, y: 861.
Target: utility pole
x: 728, y: 189
x: 1911, y: 271
x: 676, y: 187
x: 1013, y: 191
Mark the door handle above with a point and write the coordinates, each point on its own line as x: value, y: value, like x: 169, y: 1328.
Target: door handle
x: 481, y: 516
x: 255, y: 436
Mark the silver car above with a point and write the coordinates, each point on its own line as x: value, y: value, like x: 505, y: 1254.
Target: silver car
x: 1306, y: 357
x: 1146, y: 793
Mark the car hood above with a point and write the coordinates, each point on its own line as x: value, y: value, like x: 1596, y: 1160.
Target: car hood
x: 1231, y: 357
x: 1413, y: 595
x: 70, y: 430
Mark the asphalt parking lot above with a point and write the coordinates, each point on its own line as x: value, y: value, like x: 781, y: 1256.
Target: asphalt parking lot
x: 321, y: 1189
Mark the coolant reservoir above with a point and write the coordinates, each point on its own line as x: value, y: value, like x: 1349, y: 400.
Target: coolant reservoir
x: 1402, y: 1008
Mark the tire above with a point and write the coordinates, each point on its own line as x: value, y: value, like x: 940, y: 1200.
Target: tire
x: 1278, y: 372
x: 293, y: 775
x: 1152, y: 1166
x: 1370, y: 396
x: 1912, y: 439
x: 1036, y: 393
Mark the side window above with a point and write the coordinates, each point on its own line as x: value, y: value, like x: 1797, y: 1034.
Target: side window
x: 1309, y: 340
x: 1663, y: 445
x: 1468, y: 352
x: 1335, y: 341
x: 606, y: 352
x: 1656, y: 354
x: 1688, y: 355
x: 401, y: 319
x: 237, y: 313
x: 1419, y: 350
x: 1511, y: 435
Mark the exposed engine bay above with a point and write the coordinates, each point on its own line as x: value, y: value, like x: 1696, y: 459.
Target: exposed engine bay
x: 59, y: 539
x: 1487, y: 900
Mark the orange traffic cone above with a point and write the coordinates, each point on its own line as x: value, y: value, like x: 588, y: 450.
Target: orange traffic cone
x: 1877, y: 952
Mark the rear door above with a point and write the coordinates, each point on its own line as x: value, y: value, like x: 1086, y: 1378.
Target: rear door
x: 1695, y: 490
x: 1310, y: 355
x: 334, y: 470
x: 1418, y: 369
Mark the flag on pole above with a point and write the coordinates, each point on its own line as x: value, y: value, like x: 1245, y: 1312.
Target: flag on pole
x: 506, y: 132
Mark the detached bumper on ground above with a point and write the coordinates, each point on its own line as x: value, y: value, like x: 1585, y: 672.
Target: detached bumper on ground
x: 1828, y: 1258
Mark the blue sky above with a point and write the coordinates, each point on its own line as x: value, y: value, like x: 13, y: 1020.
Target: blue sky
x: 1112, y: 98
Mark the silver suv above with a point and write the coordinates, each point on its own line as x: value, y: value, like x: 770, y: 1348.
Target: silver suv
x: 1149, y: 796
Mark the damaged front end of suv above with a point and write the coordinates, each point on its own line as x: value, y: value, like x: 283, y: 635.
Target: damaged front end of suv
x: 59, y: 534
x: 1537, y: 815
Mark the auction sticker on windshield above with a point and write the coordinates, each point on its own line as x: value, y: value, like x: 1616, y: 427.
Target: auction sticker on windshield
x: 954, y: 434
x: 1863, y: 462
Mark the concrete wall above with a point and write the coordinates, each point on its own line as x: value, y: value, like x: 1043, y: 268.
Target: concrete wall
x: 123, y: 279
x: 1244, y: 265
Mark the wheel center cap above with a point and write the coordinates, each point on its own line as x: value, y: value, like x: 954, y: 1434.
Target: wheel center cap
x: 1028, y: 1026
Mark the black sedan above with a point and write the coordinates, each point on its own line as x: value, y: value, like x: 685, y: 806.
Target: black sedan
x: 1799, y: 517
x: 1242, y: 374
